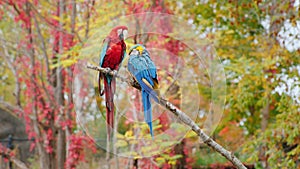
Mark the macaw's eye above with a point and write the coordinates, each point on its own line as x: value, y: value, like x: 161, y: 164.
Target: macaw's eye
x: 125, y: 34
x: 119, y: 32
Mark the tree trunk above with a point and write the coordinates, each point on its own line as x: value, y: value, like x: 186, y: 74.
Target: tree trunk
x: 61, y: 135
x: 45, y: 161
x: 179, y: 149
x: 264, y: 124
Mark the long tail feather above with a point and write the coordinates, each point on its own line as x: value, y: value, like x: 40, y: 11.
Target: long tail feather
x: 109, y: 96
x: 147, y: 110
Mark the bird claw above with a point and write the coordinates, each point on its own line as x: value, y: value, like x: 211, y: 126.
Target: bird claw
x: 107, y: 69
x: 115, y: 72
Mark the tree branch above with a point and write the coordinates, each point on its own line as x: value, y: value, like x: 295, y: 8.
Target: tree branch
x: 131, y: 82
x: 182, y: 116
x: 10, y: 107
x: 15, y: 73
x: 43, y: 45
x: 17, y: 162
x: 60, y: 84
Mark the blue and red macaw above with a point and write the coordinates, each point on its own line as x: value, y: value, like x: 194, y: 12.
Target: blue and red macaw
x: 111, y: 56
x: 143, y: 70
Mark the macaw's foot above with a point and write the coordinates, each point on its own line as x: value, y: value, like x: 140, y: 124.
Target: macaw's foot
x: 115, y: 72
x: 107, y: 69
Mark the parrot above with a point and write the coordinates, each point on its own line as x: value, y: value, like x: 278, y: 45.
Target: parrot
x: 143, y: 69
x: 111, y: 56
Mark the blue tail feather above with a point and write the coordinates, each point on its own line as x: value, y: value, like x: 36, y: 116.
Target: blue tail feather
x: 150, y: 127
x: 147, y: 89
x: 147, y: 110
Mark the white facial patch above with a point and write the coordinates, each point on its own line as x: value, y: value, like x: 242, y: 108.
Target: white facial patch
x: 125, y: 34
x: 119, y: 32
x: 134, y: 52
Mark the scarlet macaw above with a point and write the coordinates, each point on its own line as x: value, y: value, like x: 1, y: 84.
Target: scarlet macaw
x: 111, y: 56
x: 143, y: 70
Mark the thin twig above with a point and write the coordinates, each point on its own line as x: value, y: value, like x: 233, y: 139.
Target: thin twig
x: 182, y: 116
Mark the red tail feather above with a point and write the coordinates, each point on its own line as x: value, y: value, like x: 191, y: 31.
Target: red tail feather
x: 109, y: 90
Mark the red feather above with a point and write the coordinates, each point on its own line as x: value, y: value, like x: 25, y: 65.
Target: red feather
x: 109, y: 90
x: 113, y: 58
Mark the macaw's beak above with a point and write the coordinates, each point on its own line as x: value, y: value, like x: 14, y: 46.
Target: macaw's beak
x: 121, y: 36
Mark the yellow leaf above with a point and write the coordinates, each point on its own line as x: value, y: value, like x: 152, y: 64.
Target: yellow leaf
x: 121, y: 143
x: 129, y: 133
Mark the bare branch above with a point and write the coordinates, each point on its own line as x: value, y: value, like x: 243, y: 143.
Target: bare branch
x: 61, y: 136
x: 131, y: 82
x: 87, y: 25
x: 182, y: 116
x: 10, y: 107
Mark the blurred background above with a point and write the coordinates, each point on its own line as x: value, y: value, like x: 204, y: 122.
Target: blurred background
x: 50, y: 111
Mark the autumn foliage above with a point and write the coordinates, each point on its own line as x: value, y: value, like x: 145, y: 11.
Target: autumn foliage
x: 257, y: 44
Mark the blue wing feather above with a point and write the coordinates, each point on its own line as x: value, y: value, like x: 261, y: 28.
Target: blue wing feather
x: 151, y: 67
x: 137, y: 66
x: 142, y: 67
x: 103, y: 51
x: 124, y: 54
